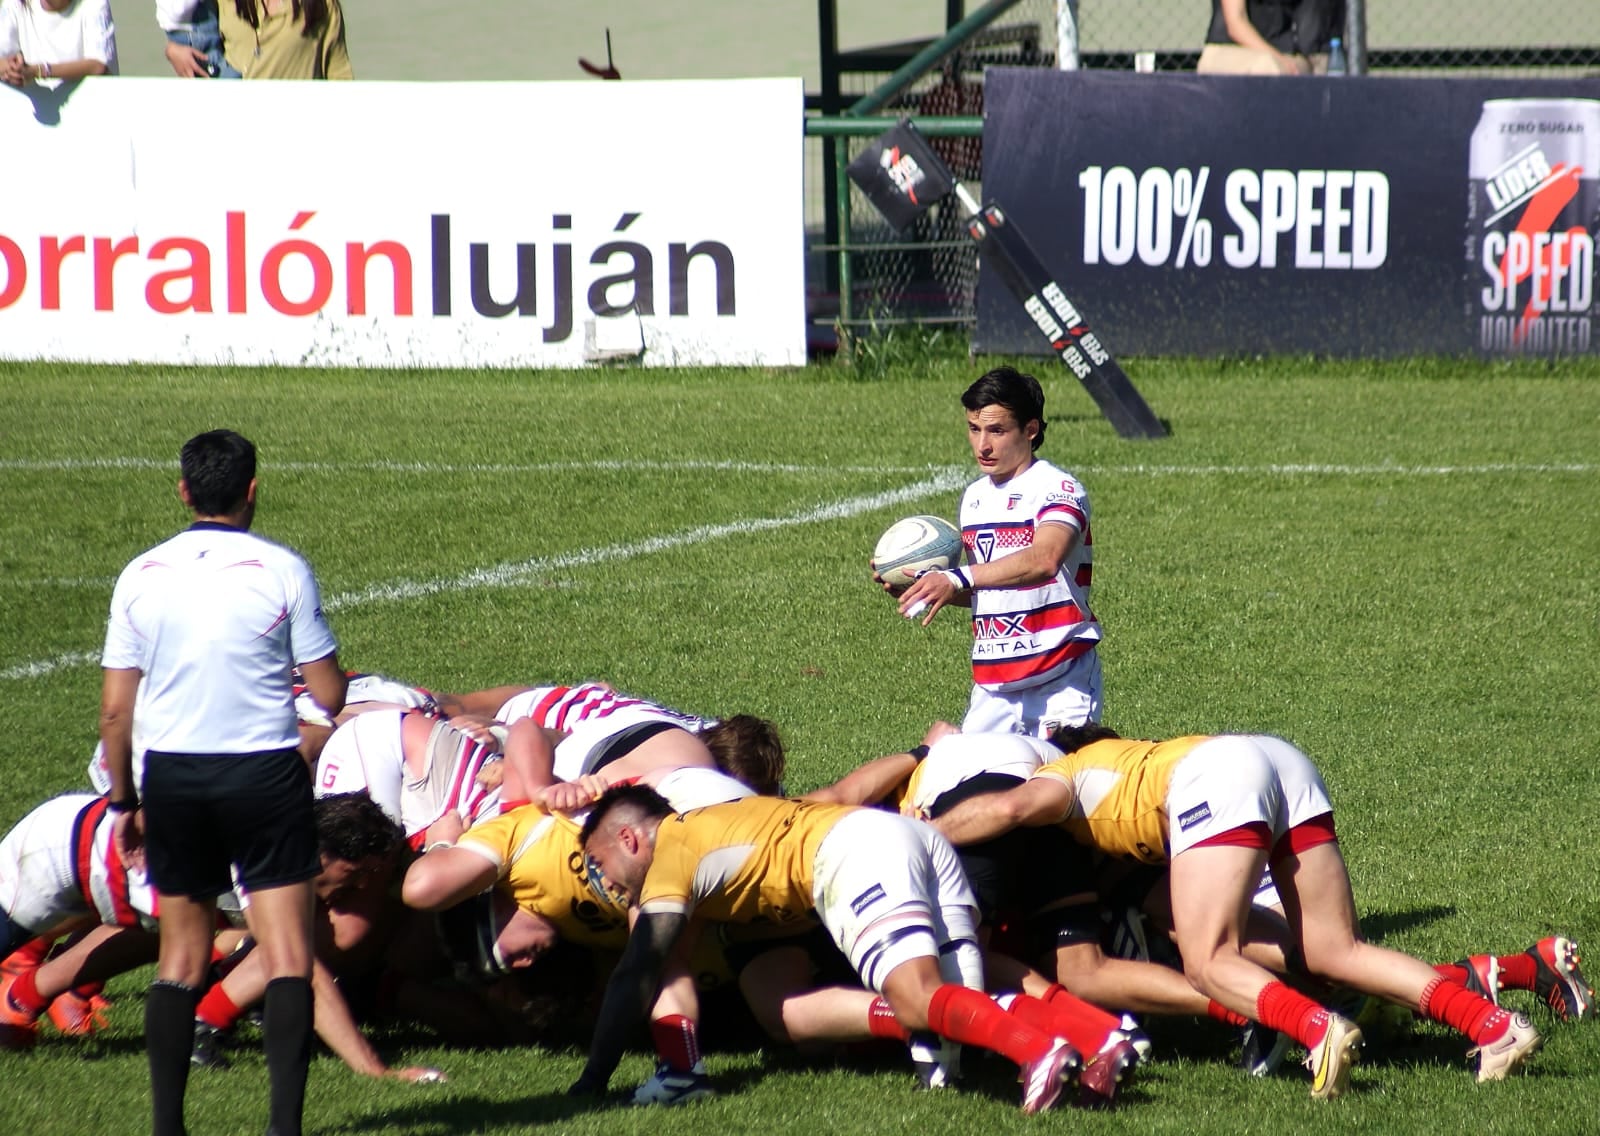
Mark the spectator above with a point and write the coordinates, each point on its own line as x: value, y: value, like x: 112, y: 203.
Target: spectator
x: 194, y: 39
x: 1271, y: 37
x: 285, y: 39
x: 49, y: 41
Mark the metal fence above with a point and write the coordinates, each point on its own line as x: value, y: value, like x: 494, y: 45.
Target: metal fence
x: 929, y: 277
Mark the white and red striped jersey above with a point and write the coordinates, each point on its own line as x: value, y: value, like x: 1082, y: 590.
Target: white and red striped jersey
x: 1025, y: 636
x: 591, y: 714
x: 364, y: 688
x: 367, y: 754
x: 61, y: 860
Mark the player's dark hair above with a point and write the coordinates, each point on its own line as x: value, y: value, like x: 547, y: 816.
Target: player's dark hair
x: 748, y: 749
x: 1069, y: 738
x: 217, y: 466
x: 634, y: 802
x: 313, y: 12
x: 1010, y: 388
x: 351, y: 826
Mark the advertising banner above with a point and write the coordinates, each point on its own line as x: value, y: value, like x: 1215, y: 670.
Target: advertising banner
x: 403, y: 224
x: 1208, y: 214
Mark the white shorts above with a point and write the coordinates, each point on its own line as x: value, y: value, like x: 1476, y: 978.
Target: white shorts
x: 1230, y: 781
x: 890, y: 889
x: 693, y: 787
x: 1072, y: 698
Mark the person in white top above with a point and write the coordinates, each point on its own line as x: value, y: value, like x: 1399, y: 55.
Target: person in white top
x: 1025, y: 525
x: 204, y: 633
x: 49, y: 41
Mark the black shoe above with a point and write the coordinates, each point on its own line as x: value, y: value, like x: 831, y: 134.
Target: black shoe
x: 208, y: 1042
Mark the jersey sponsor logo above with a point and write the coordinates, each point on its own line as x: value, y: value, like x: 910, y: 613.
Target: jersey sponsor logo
x: 1013, y: 501
x: 1197, y: 815
x: 1000, y: 626
x: 984, y: 543
x: 867, y: 898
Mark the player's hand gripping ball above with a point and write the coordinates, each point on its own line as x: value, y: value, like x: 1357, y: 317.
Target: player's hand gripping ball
x: 913, y: 546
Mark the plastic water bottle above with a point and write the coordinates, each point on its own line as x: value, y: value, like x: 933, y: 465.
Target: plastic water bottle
x: 1337, y: 63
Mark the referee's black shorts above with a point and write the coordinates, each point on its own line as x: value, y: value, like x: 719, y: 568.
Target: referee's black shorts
x: 205, y: 814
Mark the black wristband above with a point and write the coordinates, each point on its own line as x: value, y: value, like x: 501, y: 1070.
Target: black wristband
x: 125, y: 805
x: 918, y: 751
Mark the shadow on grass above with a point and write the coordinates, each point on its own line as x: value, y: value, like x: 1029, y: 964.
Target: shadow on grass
x: 1379, y: 925
x: 441, y: 1117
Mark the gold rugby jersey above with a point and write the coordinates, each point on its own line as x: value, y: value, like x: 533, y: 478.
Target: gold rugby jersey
x: 543, y: 866
x: 1119, y: 794
x: 746, y: 861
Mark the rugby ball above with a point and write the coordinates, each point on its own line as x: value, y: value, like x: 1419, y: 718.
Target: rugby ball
x: 913, y: 546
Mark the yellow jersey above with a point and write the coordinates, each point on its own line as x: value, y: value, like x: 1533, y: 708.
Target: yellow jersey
x: 1119, y: 794
x: 746, y: 861
x: 543, y: 866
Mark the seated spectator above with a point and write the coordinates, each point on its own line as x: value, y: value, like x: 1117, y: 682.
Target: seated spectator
x: 1271, y: 37
x: 49, y: 41
x: 194, y: 39
x: 285, y: 39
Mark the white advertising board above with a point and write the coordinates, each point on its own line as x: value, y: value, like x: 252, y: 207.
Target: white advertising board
x: 403, y: 224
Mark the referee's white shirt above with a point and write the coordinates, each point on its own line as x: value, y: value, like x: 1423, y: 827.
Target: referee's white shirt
x: 214, y: 618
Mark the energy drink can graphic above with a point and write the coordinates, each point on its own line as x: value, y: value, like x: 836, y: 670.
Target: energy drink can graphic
x: 1533, y: 210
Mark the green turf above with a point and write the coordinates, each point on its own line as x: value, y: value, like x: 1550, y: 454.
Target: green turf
x: 1394, y: 565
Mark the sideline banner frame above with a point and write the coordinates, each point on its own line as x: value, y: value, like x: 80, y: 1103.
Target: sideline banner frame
x: 1209, y: 214
x: 404, y: 224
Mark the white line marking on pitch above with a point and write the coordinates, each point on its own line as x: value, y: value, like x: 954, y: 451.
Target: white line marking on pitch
x: 521, y: 571
x: 434, y: 468
x: 430, y: 469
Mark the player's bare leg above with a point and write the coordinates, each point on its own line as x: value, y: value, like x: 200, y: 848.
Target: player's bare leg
x: 1316, y: 892
x: 1212, y: 887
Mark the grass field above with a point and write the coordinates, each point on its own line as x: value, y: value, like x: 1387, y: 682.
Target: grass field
x: 1394, y: 565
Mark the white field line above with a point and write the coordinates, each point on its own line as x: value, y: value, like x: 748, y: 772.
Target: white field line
x: 521, y: 571
x: 430, y: 469
x: 939, y: 480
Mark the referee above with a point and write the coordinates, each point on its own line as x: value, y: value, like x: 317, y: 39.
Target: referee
x: 204, y: 632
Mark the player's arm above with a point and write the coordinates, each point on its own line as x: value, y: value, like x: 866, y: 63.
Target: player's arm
x: 1053, y: 541
x: 530, y: 760
x: 630, y: 992
x: 326, y: 682
x: 119, y: 691
x: 870, y: 783
x: 446, y: 876
x: 481, y: 703
x: 1038, y: 801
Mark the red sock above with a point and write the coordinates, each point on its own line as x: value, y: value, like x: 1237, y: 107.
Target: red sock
x: 1217, y: 1010
x: 1086, y: 1027
x: 89, y: 989
x: 677, y: 1041
x: 218, y: 1010
x: 1459, y: 1008
x: 1519, y: 972
x: 28, y: 956
x: 1288, y: 1011
x: 25, y: 994
x: 1454, y: 972
x: 968, y: 1016
x: 881, y: 1022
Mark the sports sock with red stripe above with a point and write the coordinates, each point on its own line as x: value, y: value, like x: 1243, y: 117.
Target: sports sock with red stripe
x: 970, y: 1017
x: 677, y: 1041
x: 1452, y: 1004
x: 1288, y: 1011
x: 881, y: 1022
x: 1086, y: 1027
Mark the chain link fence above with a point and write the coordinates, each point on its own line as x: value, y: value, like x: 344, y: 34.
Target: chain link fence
x: 928, y: 277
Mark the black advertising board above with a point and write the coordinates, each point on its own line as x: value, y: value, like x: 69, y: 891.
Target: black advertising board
x: 1201, y: 214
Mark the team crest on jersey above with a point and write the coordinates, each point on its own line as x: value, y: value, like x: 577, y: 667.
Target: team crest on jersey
x: 1013, y: 501
x: 1197, y: 815
x: 984, y: 543
x: 867, y: 898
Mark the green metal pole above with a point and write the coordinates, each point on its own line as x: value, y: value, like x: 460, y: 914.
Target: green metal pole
x: 928, y: 58
x: 841, y: 158
x: 967, y: 126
